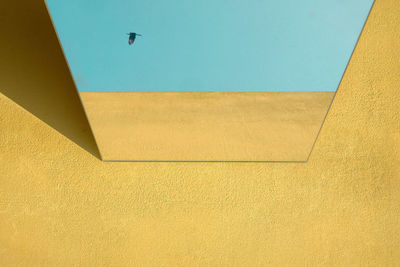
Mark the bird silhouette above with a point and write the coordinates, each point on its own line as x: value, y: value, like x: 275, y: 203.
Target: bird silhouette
x: 132, y: 37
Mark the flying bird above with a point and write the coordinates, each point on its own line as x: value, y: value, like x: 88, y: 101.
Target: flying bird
x: 132, y: 37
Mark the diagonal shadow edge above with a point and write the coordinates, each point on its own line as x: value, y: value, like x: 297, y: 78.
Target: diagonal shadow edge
x: 316, y: 136
x: 341, y: 79
x: 34, y: 73
x: 40, y: 45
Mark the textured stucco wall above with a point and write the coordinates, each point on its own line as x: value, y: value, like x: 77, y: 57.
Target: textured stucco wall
x: 60, y: 205
x: 277, y: 126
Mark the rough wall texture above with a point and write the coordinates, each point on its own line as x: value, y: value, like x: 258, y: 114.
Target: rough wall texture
x: 60, y: 205
x: 206, y: 126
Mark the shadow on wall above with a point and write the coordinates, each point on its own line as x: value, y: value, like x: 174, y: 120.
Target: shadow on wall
x: 34, y: 73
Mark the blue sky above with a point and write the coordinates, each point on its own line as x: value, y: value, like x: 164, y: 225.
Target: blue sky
x: 208, y: 45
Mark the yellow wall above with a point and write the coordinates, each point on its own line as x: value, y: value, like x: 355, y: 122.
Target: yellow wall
x: 62, y: 206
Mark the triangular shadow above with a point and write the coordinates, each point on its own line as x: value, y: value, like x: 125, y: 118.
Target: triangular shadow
x: 35, y: 75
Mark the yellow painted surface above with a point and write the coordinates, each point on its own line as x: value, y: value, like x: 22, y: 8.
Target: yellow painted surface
x: 61, y: 206
x: 206, y: 126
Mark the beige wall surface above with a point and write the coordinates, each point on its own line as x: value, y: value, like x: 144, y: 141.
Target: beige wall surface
x: 214, y: 126
x: 61, y: 206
